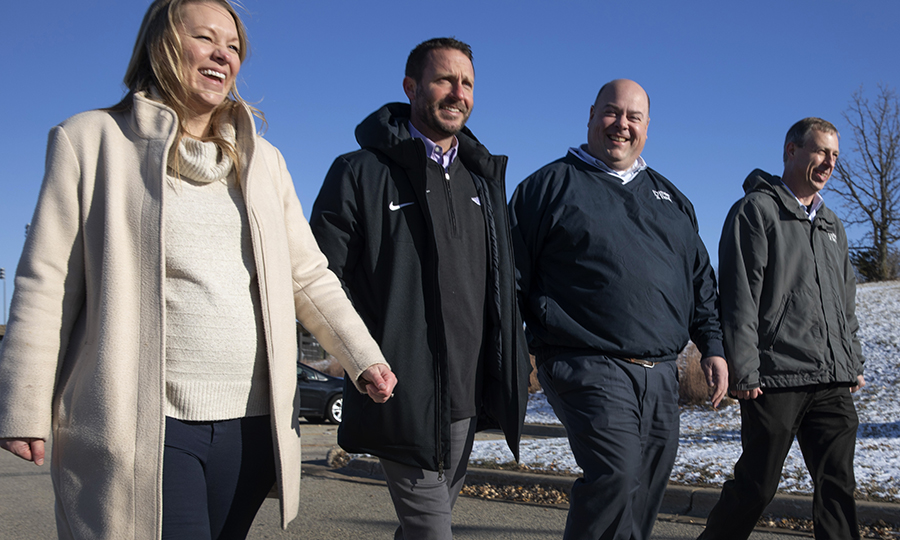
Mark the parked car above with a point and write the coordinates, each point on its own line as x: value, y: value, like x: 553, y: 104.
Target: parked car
x: 321, y: 395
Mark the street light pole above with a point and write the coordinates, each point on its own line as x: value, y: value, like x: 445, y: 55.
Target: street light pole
x: 3, y: 277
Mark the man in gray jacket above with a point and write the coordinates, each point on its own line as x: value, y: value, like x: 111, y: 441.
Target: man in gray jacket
x: 787, y: 293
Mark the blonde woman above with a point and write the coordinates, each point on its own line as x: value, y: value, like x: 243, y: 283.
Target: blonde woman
x: 152, y: 329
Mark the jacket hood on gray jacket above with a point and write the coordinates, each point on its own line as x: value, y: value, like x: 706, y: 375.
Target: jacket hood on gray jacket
x: 762, y: 182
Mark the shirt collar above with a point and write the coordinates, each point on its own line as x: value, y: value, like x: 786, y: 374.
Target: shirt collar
x: 813, y: 209
x: 625, y: 176
x: 435, y: 152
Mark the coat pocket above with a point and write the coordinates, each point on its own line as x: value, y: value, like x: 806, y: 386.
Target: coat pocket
x: 775, y: 326
x: 796, y: 341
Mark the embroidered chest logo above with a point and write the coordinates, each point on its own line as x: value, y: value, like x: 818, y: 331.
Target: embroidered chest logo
x: 662, y: 196
x: 394, y: 207
x: 832, y: 237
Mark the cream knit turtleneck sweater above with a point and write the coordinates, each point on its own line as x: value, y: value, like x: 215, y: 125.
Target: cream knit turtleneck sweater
x: 215, y: 348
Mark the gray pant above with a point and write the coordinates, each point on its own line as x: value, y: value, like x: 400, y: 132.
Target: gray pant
x: 422, y: 501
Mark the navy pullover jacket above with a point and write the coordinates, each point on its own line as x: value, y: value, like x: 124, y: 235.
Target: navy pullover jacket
x: 615, y: 268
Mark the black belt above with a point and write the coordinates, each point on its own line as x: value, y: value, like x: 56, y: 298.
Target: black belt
x: 639, y: 361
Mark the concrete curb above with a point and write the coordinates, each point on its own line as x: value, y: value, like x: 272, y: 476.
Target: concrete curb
x: 679, y: 500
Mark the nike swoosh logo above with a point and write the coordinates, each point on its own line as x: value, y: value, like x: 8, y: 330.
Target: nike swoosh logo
x: 394, y: 207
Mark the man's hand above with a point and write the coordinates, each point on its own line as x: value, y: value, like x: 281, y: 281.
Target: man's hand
x: 860, y: 382
x: 747, y: 394
x: 27, y: 449
x: 379, y: 381
x: 716, y: 370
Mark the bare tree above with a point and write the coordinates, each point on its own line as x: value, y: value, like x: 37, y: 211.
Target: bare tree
x: 868, y: 179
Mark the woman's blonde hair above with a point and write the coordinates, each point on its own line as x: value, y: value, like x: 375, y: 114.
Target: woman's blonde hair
x: 157, y: 63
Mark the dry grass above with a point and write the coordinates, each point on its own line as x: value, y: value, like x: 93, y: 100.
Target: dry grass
x: 532, y: 494
x: 533, y: 384
x: 692, y: 389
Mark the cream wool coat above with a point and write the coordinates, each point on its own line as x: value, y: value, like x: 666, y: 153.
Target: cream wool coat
x: 83, y: 355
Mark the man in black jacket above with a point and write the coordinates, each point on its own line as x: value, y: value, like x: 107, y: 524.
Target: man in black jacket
x: 415, y: 225
x: 789, y: 315
x: 614, y: 280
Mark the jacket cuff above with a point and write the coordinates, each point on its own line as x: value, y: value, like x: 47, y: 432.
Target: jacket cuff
x: 712, y: 348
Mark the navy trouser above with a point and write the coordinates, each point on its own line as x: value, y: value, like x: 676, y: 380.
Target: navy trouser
x: 622, y: 422
x: 216, y: 475
x: 824, y: 420
x: 423, y: 501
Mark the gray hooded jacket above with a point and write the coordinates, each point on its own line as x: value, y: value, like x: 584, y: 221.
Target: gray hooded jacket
x: 787, y: 292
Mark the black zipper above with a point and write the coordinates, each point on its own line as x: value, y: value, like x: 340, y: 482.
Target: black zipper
x: 450, y: 209
x: 438, y: 409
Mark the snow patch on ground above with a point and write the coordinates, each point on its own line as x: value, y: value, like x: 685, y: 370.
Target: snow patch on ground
x: 710, y: 440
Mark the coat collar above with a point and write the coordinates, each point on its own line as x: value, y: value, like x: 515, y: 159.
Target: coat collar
x: 151, y: 119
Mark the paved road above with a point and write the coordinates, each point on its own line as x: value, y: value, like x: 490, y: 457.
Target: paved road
x: 334, y: 505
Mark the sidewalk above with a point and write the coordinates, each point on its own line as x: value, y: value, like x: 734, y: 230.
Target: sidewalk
x: 343, y: 503
x: 352, y: 503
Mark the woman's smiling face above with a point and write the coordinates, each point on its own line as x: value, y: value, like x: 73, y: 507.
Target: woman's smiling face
x: 211, y: 55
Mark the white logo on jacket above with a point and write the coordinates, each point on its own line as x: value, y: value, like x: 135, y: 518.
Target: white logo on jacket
x: 394, y: 207
x: 832, y: 237
x: 662, y: 196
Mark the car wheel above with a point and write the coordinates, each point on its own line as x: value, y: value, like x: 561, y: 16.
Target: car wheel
x: 334, y: 408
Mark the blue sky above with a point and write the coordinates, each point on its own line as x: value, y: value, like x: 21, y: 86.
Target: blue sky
x: 726, y: 80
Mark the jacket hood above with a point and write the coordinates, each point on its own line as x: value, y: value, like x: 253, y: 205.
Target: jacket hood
x: 387, y: 130
x: 384, y: 128
x: 389, y: 126
x: 759, y: 181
